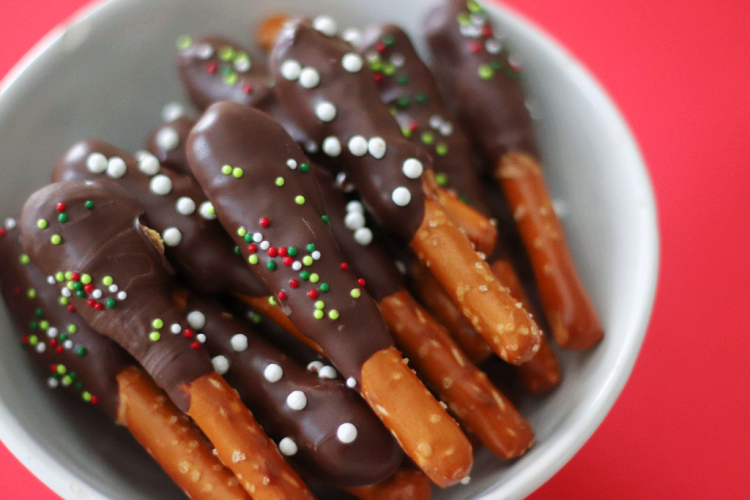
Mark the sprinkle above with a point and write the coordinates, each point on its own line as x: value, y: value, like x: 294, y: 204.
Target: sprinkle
x: 41, y: 224
x: 402, y: 80
x: 352, y: 35
x: 296, y: 400
x: 204, y: 51
x: 465, y: 480
x: 221, y: 364
x: 355, y: 293
x: 237, y: 172
x: 344, y: 266
x: 357, y: 145
x: 196, y: 319
x: 363, y: 236
x: 113, y: 288
x: 226, y: 53
x: 421, y: 97
x: 310, y: 247
x: 81, y: 352
x: 311, y: 146
x: 446, y: 129
x: 279, y: 181
x: 148, y: 164
x: 238, y: 342
x: 325, y: 219
x: 89, y: 204
x: 412, y: 168
x: 307, y: 260
x: 273, y: 373
x: 201, y: 339
x: 441, y: 178
x: 52, y: 332
x: 172, y: 111
x: 398, y: 60
x: 111, y: 303
x: 351, y: 383
x: 122, y: 296
x: 354, y: 220
x: 314, y: 278
x: 207, y: 210
x: 183, y: 42
x: 257, y: 237
x: 52, y: 382
x: 293, y: 283
x: 297, y: 265
x: 185, y: 205
x: 291, y: 164
x: 441, y: 149
x: 154, y: 336
x: 242, y: 62
x: 352, y: 62
x: 331, y: 146
x: 493, y: 46
x: 304, y: 167
x: 51, y: 280
x: 313, y: 294
x: 226, y: 170
x: 157, y: 323
x: 292, y: 251
x: 334, y: 315
x: 96, y: 163
x: 287, y: 447
x: 161, y: 185
x: 264, y: 222
x: 116, y: 167
x: 97, y: 294
x: 355, y: 206
x: 309, y: 78
x: 55, y: 239
x: 299, y: 200
x: 65, y: 292
x: 428, y: 137
x: 325, y: 111
x: 325, y: 24
x: 376, y: 146
x: 346, y: 433
x: 167, y: 139
x: 319, y: 304
x: 314, y: 366
x: 485, y: 71
x: 401, y: 196
x: 318, y: 314
x: 290, y: 69
x: 361, y: 281
x: 172, y: 237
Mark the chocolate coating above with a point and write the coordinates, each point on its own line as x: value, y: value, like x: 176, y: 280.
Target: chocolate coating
x: 372, y: 457
x: 240, y: 156
x: 358, y: 111
x: 105, y: 241
x: 204, y: 254
x: 479, y: 77
x: 167, y: 143
x: 43, y: 323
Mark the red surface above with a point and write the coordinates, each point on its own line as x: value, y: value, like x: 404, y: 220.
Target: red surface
x: 679, y: 72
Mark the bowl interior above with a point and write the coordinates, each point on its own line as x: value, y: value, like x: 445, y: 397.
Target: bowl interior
x: 109, y: 74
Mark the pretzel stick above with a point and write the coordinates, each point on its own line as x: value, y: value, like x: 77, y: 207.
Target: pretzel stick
x: 480, y: 231
x: 405, y: 484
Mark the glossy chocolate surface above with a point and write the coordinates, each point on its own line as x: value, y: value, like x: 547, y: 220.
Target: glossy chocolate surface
x: 260, y: 184
x: 101, y: 240
x: 167, y: 143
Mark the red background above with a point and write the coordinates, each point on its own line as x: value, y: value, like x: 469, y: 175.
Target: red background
x: 679, y: 72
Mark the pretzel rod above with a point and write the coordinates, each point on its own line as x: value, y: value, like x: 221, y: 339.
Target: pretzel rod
x: 167, y: 143
x: 91, y: 232
x: 261, y: 187
x: 484, y: 82
x: 405, y: 484
x: 478, y: 229
x: 100, y: 373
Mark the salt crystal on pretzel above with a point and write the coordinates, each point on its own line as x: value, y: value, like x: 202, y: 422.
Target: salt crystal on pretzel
x: 478, y: 74
x: 100, y: 373
x: 405, y: 484
x: 92, y: 231
x: 262, y: 188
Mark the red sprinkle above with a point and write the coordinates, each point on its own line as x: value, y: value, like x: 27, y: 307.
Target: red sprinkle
x: 475, y: 47
x: 25, y: 340
x: 16, y: 290
x: 281, y: 295
x: 273, y: 252
x: 195, y: 345
x: 91, y: 302
x: 3, y: 232
x: 313, y: 294
x: 53, y: 342
x: 252, y: 248
x: 247, y: 88
x: 59, y: 349
x: 53, y: 368
x: 88, y: 288
x: 264, y: 222
x: 75, y: 276
x: 486, y: 30
x: 94, y: 400
x: 413, y: 126
x: 210, y: 67
x: 99, y: 306
x: 288, y: 261
x: 378, y: 77
x: 283, y: 251
x: 293, y: 283
x: 187, y: 333
x: 344, y: 266
x: 61, y: 207
x: 361, y: 281
x: 71, y: 308
x: 380, y: 47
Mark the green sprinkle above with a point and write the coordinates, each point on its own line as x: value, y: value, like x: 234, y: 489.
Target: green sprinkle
x: 253, y: 259
x: 59, y: 276
x: 402, y: 102
x: 402, y: 79
x: 279, y: 181
x: 183, y: 42
x: 43, y: 325
x: 67, y: 380
x: 463, y: 18
x: 376, y: 65
x: 157, y: 323
x: 86, y: 396
x: 496, y: 65
x: 70, y: 285
x: 211, y: 209
x: 73, y: 375
x: 89, y: 204
x: 355, y: 293
x: 81, y: 351
x: 393, y: 110
x: 248, y: 238
x: 62, y: 217
x: 304, y: 167
x: 33, y: 325
x: 389, y: 69
x: 314, y: 278
x: 310, y: 247
x: 271, y: 266
x: 63, y: 337
x: 226, y: 170
x: 241, y: 232
x: 38, y: 312
x: 319, y: 304
x: 292, y: 251
x: 406, y: 131
x: 324, y: 287
x: 299, y: 200
x: 464, y: 198
x: 154, y: 336
x: 237, y: 172
x: 107, y: 281
x: 111, y: 303
x: 318, y: 314
x: 77, y: 285
x: 485, y: 71
x: 441, y: 149
x: 427, y: 137
x: 63, y: 301
x: 80, y: 294
x: 307, y: 260
x: 333, y: 314
x: 272, y: 300
x: 55, y: 240
x: 236, y: 249
x: 86, y: 279
x: 473, y: 6
x: 61, y: 369
x: 31, y: 293
x: 24, y: 259
x: 68, y: 275
x: 33, y: 340
x: 325, y: 219
x: 304, y: 275
x: 41, y: 224
x: 72, y: 329
x: 421, y: 97
x: 255, y: 318
x: 226, y: 53
x: 389, y: 40
x: 79, y: 386
x: 230, y: 78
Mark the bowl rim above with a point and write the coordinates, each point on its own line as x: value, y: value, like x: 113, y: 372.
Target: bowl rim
x: 562, y: 446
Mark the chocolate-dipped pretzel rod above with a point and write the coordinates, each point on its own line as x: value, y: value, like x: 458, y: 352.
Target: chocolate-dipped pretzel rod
x: 264, y: 195
x: 480, y: 407
x: 101, y: 373
x: 478, y: 75
x: 120, y: 285
x: 167, y: 143
x: 405, y: 484
x: 323, y: 428
x: 321, y: 84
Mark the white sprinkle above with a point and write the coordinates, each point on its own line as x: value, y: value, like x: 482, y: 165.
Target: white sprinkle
x: 327, y: 372
x: 201, y: 338
x: 122, y: 296
x: 161, y: 185
x: 466, y: 480
x: 172, y: 236
x: 273, y: 373
x: 113, y: 288
x: 221, y: 364
x: 376, y: 147
x: 372, y: 56
x: 66, y: 382
x: 96, y: 163
x: 346, y: 433
x: 325, y: 24
x: 287, y: 447
x: 352, y: 35
x: 172, y: 111
x: 398, y: 60
x: 309, y: 78
x: 51, y: 280
x: 470, y: 30
x: 315, y: 366
x: 52, y: 332
x: 167, y: 139
x: 355, y: 206
x: 242, y: 64
x: 493, y: 46
x: 363, y: 236
x: 354, y: 221
x: 68, y: 344
x: 185, y: 205
x: 350, y: 382
x: 41, y: 347
x: 358, y: 145
x: 325, y: 111
x: 290, y: 69
x: 435, y: 121
x: 446, y: 129
x: 296, y: 265
x: 239, y: 342
x: 331, y: 146
x: 10, y: 223
x: 296, y: 400
x: 401, y: 267
x: 401, y: 196
x: 257, y: 237
x: 352, y: 62
x: 52, y: 382
x: 97, y: 294
x: 196, y: 319
x: 148, y: 164
x: 116, y: 167
x: 204, y: 51
x: 65, y: 292
x: 264, y: 245
x: 175, y: 328
x: 412, y: 168
x: 315, y: 255
x: 311, y: 146
x: 291, y: 163
x: 207, y: 210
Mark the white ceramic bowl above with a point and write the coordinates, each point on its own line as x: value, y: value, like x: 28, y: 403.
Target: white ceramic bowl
x: 108, y: 72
